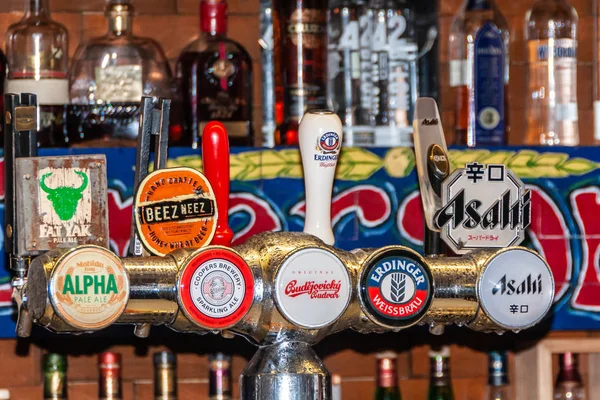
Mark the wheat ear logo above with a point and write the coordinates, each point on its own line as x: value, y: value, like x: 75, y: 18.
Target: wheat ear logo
x: 65, y: 199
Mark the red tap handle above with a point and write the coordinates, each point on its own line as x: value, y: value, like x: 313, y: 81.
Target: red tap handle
x: 215, y: 159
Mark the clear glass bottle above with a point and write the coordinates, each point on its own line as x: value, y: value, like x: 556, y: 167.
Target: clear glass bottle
x: 214, y: 76
x: 37, y: 49
x: 54, y: 369
x: 479, y: 72
x: 387, y: 377
x: 551, y: 34
x: 440, y: 386
x: 108, y: 77
x: 219, y: 377
x: 268, y: 73
x: 569, y: 385
x: 498, y: 388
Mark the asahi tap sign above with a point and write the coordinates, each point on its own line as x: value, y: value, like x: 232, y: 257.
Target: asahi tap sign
x: 216, y: 288
x: 175, y: 208
x: 62, y: 202
x: 89, y: 288
x: 516, y: 288
x: 312, y: 288
x: 484, y: 206
x: 395, y: 288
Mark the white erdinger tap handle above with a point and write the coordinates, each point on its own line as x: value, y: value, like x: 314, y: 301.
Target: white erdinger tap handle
x: 320, y: 138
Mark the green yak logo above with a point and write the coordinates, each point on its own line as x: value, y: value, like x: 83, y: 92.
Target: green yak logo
x: 65, y: 199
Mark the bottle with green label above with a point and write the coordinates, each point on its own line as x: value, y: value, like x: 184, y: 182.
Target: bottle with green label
x: 440, y: 386
x: 387, y: 377
x: 54, y: 369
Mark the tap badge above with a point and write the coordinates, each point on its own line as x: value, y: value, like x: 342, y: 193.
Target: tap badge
x: 216, y: 288
x: 89, y: 288
x: 396, y: 289
x: 329, y: 142
x: 312, y: 288
x: 175, y: 208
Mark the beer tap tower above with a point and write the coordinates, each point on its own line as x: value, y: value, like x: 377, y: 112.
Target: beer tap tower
x: 283, y: 291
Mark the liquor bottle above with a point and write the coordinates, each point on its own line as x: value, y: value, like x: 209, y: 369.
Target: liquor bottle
x: 551, y: 34
x: 498, y: 376
x: 3, y: 68
x: 268, y: 73
x: 479, y: 73
x: 301, y: 56
x: 387, y: 377
x: 219, y: 377
x: 394, y: 71
x: 108, y: 77
x: 336, y: 387
x: 427, y: 32
x: 37, y: 49
x: 569, y: 385
x: 54, y: 368
x: 440, y: 387
x: 214, y: 76
x: 165, y: 376
x: 109, y: 382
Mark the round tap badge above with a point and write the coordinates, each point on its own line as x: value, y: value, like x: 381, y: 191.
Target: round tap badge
x: 175, y: 208
x: 329, y: 142
x: 312, y: 288
x: 89, y: 288
x: 216, y: 288
x: 395, y: 288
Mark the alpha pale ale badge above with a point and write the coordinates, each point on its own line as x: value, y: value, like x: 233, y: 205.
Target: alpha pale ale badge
x: 216, y: 288
x: 89, y: 288
x: 312, y: 288
x: 395, y: 288
x: 175, y: 208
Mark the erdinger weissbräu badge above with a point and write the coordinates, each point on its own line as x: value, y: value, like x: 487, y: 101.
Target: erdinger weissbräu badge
x: 89, y: 288
x: 395, y: 288
x: 216, y: 288
x: 175, y: 208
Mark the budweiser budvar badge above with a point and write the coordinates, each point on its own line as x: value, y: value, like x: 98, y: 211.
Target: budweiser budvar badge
x: 89, y: 288
x: 312, y: 288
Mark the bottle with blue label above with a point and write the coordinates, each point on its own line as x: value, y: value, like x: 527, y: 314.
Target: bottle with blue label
x: 479, y: 72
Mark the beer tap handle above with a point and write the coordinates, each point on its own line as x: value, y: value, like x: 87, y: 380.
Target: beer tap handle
x: 215, y: 161
x: 433, y: 166
x: 320, y: 139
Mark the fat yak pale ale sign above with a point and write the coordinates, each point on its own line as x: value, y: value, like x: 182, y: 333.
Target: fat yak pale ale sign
x: 61, y: 202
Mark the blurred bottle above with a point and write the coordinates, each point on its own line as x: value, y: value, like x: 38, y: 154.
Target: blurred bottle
x: 440, y: 386
x: 426, y: 26
x: 302, y: 58
x: 109, y: 381
x: 214, y: 76
x: 336, y: 387
x: 551, y: 34
x: 394, y: 74
x: 37, y: 49
x: 165, y: 376
x: 219, y: 377
x: 108, y: 77
x: 3, y: 67
x: 569, y: 385
x: 387, y: 377
x: 268, y: 73
x: 479, y: 73
x: 498, y: 388
x: 54, y: 369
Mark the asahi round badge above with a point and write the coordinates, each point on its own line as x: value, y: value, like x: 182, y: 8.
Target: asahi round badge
x: 312, y: 288
x: 216, y: 288
x: 395, y: 288
x: 89, y: 288
x: 175, y: 208
x: 516, y: 289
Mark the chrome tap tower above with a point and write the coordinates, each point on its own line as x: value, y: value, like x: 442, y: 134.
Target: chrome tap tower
x: 283, y: 291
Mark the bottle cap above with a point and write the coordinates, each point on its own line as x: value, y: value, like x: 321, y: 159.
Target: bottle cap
x: 444, y: 352
x: 498, y: 368
x: 54, y: 361
x: 386, y: 354
x: 109, y: 358
x: 218, y: 361
x: 164, y: 358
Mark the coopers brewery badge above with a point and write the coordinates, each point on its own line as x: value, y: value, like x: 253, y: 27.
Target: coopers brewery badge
x: 312, y: 288
x: 175, y: 208
x: 396, y: 288
x: 89, y: 288
x: 216, y: 288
